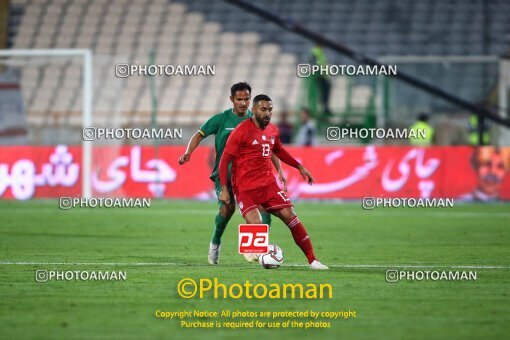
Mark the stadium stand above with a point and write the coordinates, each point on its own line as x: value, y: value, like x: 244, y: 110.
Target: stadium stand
x: 241, y: 47
x: 119, y: 33
x: 377, y: 28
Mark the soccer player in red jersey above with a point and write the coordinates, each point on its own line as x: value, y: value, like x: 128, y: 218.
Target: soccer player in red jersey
x: 249, y: 148
x: 220, y: 125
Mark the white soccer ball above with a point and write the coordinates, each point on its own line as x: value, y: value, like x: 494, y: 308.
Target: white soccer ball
x: 273, y: 258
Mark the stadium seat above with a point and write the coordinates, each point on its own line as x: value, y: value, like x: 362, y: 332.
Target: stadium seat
x: 204, y: 32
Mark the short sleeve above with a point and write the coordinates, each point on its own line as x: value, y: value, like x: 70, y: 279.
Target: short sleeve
x: 234, y: 142
x: 277, y: 143
x: 211, y: 126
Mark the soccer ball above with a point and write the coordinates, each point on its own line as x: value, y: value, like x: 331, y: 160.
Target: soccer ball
x: 273, y: 258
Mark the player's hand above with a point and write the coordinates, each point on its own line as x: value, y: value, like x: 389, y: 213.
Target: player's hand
x: 184, y: 158
x: 283, y: 180
x: 307, y: 176
x: 224, y: 196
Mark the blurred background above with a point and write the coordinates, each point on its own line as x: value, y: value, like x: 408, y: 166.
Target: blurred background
x: 461, y: 47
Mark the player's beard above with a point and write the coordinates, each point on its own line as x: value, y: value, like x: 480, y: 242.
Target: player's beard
x: 263, y: 123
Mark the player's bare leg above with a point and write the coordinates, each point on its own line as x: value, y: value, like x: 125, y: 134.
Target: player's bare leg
x: 225, y: 213
x: 252, y: 217
x: 300, y: 235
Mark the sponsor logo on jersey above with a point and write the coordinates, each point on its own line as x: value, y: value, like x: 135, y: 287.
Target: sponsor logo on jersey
x: 254, y: 142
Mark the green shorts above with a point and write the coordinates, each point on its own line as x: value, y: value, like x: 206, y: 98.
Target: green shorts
x: 217, y: 186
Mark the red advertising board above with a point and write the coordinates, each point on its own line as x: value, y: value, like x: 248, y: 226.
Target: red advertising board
x: 340, y: 172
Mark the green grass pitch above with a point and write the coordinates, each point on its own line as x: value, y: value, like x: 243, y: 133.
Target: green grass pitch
x: 172, y: 237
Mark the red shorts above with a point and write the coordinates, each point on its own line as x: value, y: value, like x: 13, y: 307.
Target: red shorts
x: 270, y: 197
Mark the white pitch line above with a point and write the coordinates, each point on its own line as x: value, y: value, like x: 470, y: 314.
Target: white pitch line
x: 171, y: 264
x: 138, y: 264
x: 415, y: 266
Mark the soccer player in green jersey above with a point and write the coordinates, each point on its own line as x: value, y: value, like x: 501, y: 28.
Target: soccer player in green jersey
x: 221, y: 125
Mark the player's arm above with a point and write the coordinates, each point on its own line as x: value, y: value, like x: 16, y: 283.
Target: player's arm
x: 226, y: 158
x: 278, y: 167
x: 208, y: 128
x: 192, y: 145
x: 230, y: 152
x: 286, y: 157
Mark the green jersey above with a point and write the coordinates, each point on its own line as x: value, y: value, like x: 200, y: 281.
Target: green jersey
x: 221, y: 125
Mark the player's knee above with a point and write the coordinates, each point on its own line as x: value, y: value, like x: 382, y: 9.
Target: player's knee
x: 253, y: 217
x: 254, y: 220
x: 227, y: 210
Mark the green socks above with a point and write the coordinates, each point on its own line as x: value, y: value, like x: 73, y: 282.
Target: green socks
x: 266, y: 218
x: 220, y: 223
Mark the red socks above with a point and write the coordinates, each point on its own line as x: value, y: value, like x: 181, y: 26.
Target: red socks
x: 301, y: 238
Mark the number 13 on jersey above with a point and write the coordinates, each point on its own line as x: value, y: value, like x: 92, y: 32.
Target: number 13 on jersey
x: 265, y: 150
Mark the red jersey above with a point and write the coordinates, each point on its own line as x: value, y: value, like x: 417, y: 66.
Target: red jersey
x: 252, y: 148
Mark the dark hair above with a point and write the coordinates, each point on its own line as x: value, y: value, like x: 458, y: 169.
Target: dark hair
x: 240, y: 87
x: 260, y: 97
